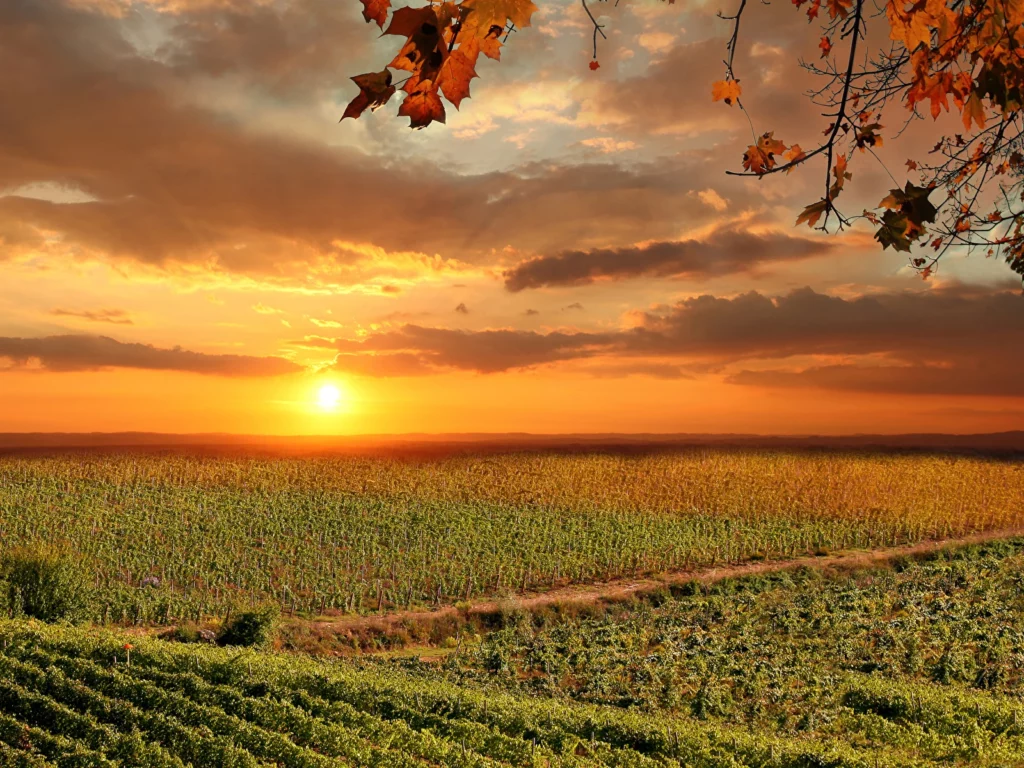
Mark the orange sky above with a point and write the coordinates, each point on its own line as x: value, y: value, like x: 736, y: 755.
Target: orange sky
x: 191, y: 242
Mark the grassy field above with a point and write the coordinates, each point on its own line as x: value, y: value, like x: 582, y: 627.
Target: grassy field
x: 915, y: 666
x: 173, y: 537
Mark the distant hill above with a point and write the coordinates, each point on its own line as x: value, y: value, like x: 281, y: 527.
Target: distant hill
x: 45, y: 442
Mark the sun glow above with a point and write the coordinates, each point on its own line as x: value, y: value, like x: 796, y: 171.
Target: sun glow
x: 328, y: 397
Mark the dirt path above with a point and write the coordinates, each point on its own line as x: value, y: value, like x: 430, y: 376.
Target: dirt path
x: 622, y: 589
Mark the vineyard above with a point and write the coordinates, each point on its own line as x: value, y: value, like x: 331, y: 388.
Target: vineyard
x: 174, y: 538
x: 917, y: 666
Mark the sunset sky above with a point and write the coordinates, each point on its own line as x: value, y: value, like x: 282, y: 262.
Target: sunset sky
x: 190, y: 241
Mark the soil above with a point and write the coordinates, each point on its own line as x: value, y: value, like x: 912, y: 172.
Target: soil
x: 622, y: 590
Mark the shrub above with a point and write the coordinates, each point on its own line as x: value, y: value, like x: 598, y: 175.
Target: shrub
x: 46, y: 585
x: 252, y: 628
x: 188, y: 633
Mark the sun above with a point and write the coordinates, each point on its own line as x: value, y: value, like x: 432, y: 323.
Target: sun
x: 328, y: 397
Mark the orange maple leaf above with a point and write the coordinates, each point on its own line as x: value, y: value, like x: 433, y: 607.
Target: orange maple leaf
x: 839, y: 8
x: 760, y: 158
x: 811, y: 214
x: 726, y: 90
x: 826, y: 47
x: 376, y: 10
x: 423, y: 106
x: 974, y: 111
x: 454, y: 77
x: 594, y: 65
x: 489, y: 45
x: 842, y: 176
x: 793, y: 156
x: 375, y: 89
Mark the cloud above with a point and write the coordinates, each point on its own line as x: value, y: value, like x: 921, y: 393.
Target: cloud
x: 964, y: 376
x: 287, y: 48
x: 953, y: 340
x: 462, y: 309
x: 711, y: 198
x: 263, y: 309
x: 173, y: 180
x: 490, y: 351
x: 91, y: 353
x: 722, y: 253
x: 608, y: 145
x: 113, y: 316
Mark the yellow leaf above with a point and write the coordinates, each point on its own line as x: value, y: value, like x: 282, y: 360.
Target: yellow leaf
x: 727, y: 91
x: 481, y: 15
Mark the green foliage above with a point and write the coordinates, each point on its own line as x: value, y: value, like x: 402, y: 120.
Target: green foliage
x: 46, y: 585
x: 256, y: 628
x: 356, y: 534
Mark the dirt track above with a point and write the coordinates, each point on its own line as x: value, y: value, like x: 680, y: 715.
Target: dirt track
x: 622, y: 589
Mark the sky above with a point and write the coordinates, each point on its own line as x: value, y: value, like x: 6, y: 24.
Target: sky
x: 190, y: 241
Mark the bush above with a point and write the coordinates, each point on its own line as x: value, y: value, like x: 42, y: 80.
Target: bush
x: 46, y: 585
x: 252, y: 628
x: 188, y: 633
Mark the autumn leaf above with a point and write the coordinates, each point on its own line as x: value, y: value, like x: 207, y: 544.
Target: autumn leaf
x: 448, y: 16
x: 424, y: 51
x: 423, y: 106
x: 405, y: 22
x: 375, y: 89
x: 794, y: 156
x: 454, y: 77
x: 974, y: 112
x: 726, y: 90
x: 826, y: 47
x: 867, y: 136
x: 376, y: 10
x: 893, y: 232
x: 912, y: 28
x: 935, y: 88
x: 760, y: 158
x: 812, y: 213
x: 911, y: 165
x: 489, y: 45
x: 594, y: 65
x: 770, y: 144
x: 839, y: 8
x: 480, y: 15
x: 908, y: 211
x: 841, y: 177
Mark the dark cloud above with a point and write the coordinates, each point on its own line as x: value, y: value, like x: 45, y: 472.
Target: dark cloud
x: 113, y: 316
x: 923, y: 325
x: 531, y: 312
x: 940, y: 341
x: 90, y: 353
x: 288, y: 48
x: 462, y: 309
x: 963, y: 376
x: 575, y: 305
x: 482, y: 351
x: 723, y: 253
